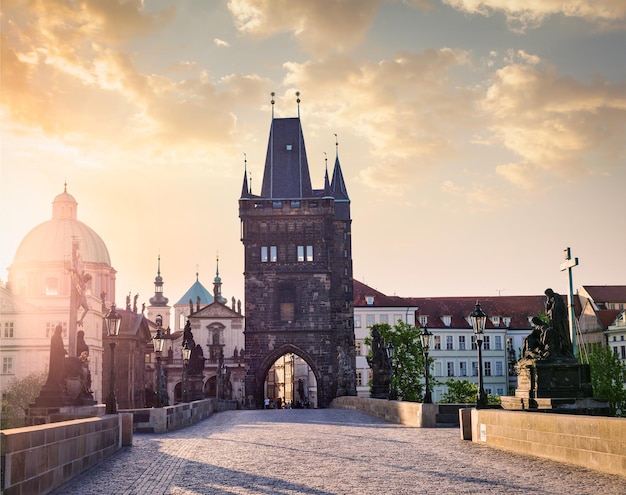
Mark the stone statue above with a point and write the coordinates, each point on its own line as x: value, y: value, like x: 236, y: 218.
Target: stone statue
x: 128, y: 302
x: 556, y: 311
x: 80, y: 279
x: 135, y: 303
x: 56, y: 370
x: 542, y: 343
x: 380, y: 366
x: 196, y: 361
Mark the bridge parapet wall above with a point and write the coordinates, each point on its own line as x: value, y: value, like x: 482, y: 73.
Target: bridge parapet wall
x: 594, y: 442
x: 406, y: 413
x: 169, y: 418
x: 38, y: 459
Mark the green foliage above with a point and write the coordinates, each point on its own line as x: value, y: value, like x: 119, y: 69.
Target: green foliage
x: 608, y: 375
x: 408, y: 360
x: 464, y: 392
x: 18, y: 396
x: 460, y: 392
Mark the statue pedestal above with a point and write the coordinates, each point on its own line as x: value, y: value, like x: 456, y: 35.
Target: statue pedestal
x: 38, y: 415
x: 195, y: 387
x: 555, y: 385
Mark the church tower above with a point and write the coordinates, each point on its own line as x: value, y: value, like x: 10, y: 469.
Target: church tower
x: 298, y: 268
x: 158, y: 302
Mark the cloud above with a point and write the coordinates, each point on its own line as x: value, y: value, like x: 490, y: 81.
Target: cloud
x: 219, y: 42
x: 408, y: 109
x: 527, y: 14
x: 66, y: 70
x: 320, y: 27
x: 554, y: 123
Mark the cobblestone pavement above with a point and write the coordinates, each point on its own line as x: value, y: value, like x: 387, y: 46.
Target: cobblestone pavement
x: 325, y: 452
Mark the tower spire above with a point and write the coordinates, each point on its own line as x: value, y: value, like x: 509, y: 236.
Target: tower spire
x: 326, y: 181
x: 245, y: 190
x: 158, y: 299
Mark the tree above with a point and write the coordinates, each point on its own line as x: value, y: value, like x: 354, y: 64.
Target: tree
x: 460, y: 392
x: 408, y: 360
x: 17, y: 398
x: 608, y: 375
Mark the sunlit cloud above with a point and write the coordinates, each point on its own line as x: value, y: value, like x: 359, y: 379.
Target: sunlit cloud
x: 333, y: 26
x: 522, y: 15
x: 408, y: 109
x: 554, y: 123
x: 219, y: 42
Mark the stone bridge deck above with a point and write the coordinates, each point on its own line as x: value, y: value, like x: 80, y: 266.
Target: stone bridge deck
x: 325, y: 452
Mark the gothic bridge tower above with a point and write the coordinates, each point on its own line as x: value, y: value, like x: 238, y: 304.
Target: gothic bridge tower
x: 298, y: 269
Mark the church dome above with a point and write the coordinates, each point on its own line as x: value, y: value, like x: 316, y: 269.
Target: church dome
x: 51, y: 241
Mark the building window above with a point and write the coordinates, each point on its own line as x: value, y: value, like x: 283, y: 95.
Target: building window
x: 462, y: 368
x: 287, y: 311
x: 357, y: 321
x: 273, y: 254
x: 447, y: 320
x: 623, y: 348
x: 8, y: 330
x: 474, y: 368
x: 500, y: 391
x: 359, y: 378
x: 487, y: 368
x: 369, y: 319
x: 301, y: 253
x: 52, y: 286
x: 358, y: 347
x: 461, y: 342
x: 295, y: 204
x: 449, y: 343
x: 437, y: 342
x: 495, y: 320
x: 7, y: 365
x: 423, y: 320
x: 450, y: 368
x: 486, y: 344
x: 499, y: 368
x: 264, y: 255
x: 384, y: 318
x: 497, y: 342
x: 309, y: 253
x: 474, y: 343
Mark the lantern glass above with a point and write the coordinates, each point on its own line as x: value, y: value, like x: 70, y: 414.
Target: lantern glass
x: 479, y: 319
x: 426, y: 337
x: 112, y: 322
x: 158, y: 341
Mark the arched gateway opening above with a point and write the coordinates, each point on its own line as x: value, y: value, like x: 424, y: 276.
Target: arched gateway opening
x: 298, y: 271
x: 290, y: 381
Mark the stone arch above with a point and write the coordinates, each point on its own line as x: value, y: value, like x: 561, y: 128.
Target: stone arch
x: 273, y: 356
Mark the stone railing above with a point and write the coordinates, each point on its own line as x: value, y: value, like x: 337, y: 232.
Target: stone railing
x: 169, y: 418
x: 594, y: 442
x: 405, y: 413
x: 38, y: 459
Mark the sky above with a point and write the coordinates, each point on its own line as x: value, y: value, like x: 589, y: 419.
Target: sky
x: 478, y: 138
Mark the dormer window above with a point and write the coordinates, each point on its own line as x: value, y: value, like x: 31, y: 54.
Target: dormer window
x: 447, y: 320
x: 369, y: 300
x: 423, y: 320
x: 507, y: 321
x: 495, y: 320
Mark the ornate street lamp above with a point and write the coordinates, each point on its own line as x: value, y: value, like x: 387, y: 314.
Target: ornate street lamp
x: 158, y: 341
x: 425, y: 337
x: 186, y: 356
x: 390, y: 350
x: 112, y: 322
x: 479, y: 319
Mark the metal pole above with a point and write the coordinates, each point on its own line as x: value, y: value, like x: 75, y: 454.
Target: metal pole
x: 111, y: 405
x: 427, y: 395
x: 482, y: 399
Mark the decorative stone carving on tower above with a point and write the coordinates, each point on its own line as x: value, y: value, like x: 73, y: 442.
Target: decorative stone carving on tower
x: 298, y: 269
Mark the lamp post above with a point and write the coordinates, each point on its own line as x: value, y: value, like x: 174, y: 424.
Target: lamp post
x: 158, y: 341
x: 112, y: 322
x: 479, y: 319
x: 425, y: 337
x: 389, y: 350
x: 186, y: 356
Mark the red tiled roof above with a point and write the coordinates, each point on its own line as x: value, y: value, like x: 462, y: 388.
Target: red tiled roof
x: 607, y: 293
x: 607, y: 316
x: 380, y: 300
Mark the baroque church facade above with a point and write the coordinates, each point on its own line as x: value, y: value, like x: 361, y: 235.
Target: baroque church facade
x: 298, y: 269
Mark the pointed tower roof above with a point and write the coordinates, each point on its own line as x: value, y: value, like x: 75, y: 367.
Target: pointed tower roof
x: 326, y: 181
x: 158, y: 299
x: 217, y: 285
x: 197, y: 289
x: 245, y: 190
x: 338, y: 189
x: 286, y: 174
